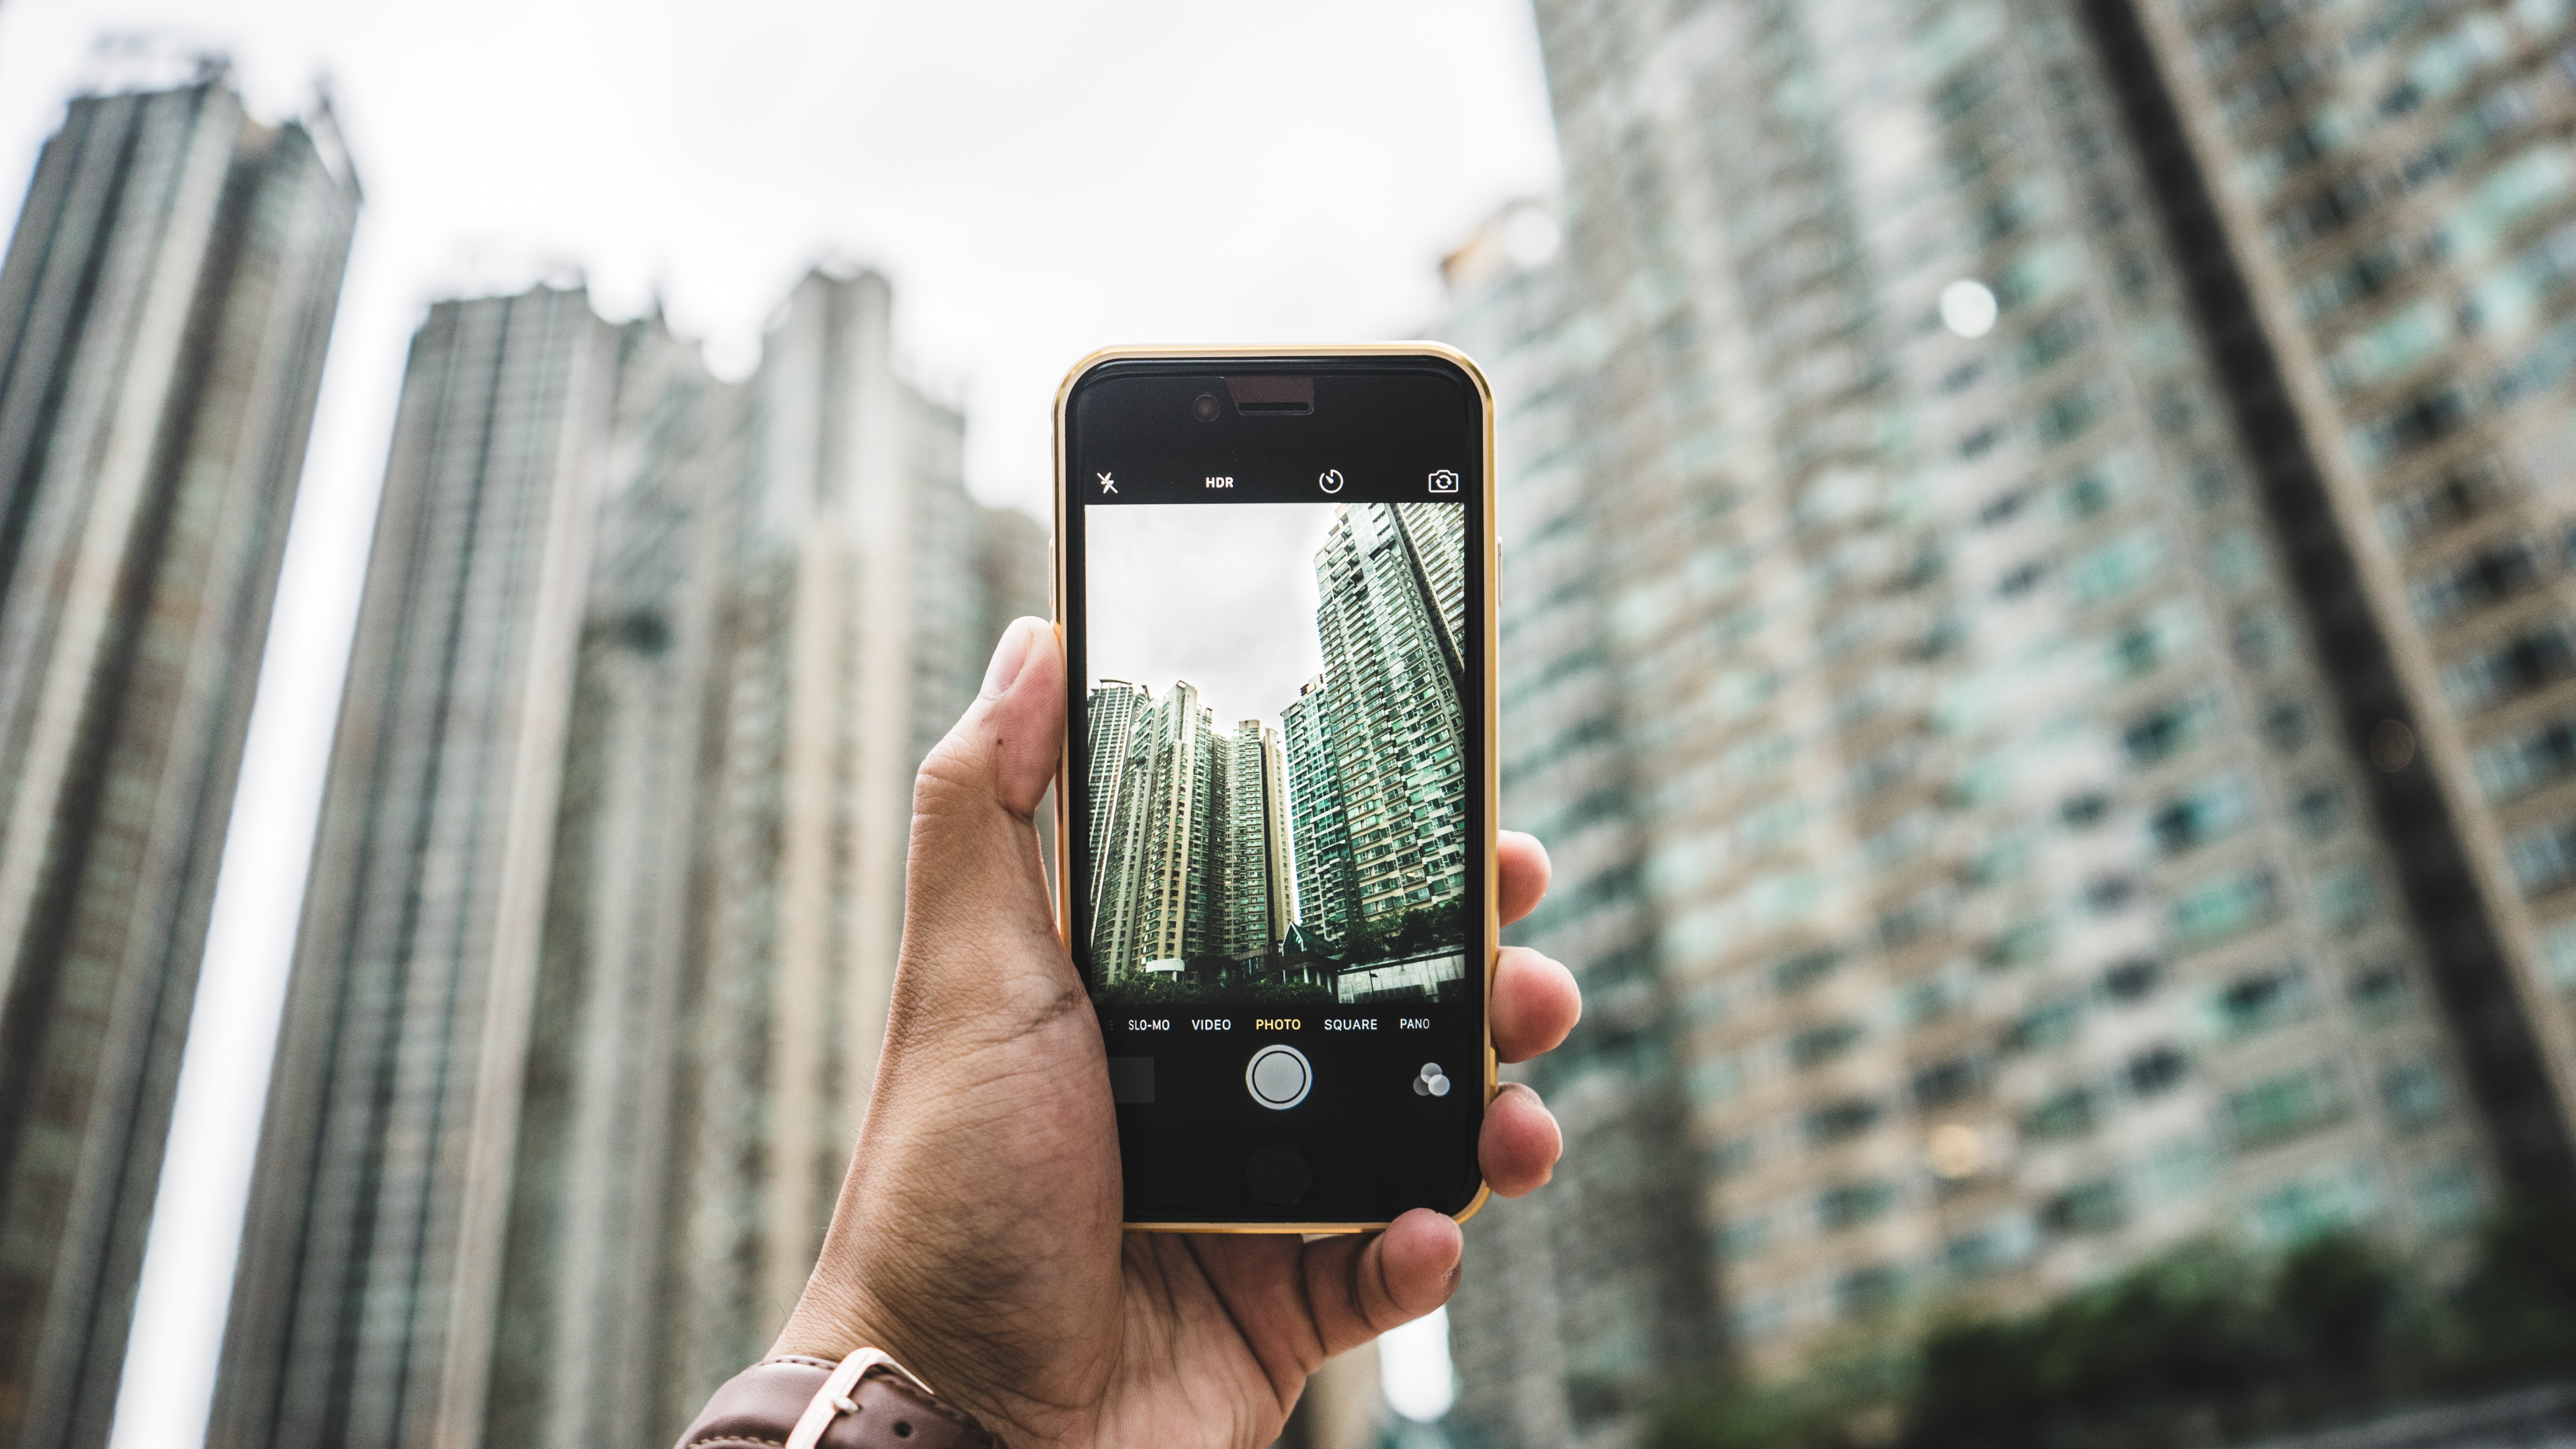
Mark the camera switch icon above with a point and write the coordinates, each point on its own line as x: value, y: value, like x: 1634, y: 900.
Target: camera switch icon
x: 1444, y: 480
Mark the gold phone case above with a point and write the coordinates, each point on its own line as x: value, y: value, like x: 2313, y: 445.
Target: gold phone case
x: 1064, y: 764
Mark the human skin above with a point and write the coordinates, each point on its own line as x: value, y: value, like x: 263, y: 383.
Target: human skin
x: 977, y: 1234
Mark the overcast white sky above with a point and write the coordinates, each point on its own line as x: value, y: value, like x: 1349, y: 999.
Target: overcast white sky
x: 1220, y: 595
x: 1037, y: 179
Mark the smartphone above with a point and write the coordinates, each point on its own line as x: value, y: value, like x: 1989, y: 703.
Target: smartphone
x: 1274, y: 575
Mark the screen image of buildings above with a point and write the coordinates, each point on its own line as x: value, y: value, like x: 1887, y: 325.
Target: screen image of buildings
x: 1320, y: 855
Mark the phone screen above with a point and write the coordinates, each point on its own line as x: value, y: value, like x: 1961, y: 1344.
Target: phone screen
x: 1276, y: 833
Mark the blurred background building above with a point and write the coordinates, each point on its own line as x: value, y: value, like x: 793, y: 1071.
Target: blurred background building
x: 1972, y: 648
x: 164, y: 308
x: 647, y: 665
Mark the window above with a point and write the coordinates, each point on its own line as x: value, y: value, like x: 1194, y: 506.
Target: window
x: 2530, y: 660
x: 2461, y: 494
x: 2348, y: 898
x: 2260, y: 1000
x: 2298, y: 1211
x: 2261, y: 636
x: 2110, y: 893
x: 2413, y: 1094
x: 1950, y: 1080
x: 2320, y: 809
x: 1840, y: 1121
x: 2049, y: 343
x: 2544, y: 859
x: 2047, y: 1024
x: 2067, y: 415
x: 2379, y: 992
x: 2418, y: 422
x: 2282, y: 1107
x: 2391, y: 348
x: 2285, y: 726
x: 2067, y: 1115
x: 2208, y: 811
x: 2363, y: 275
x: 1732, y: 1158
x: 1864, y: 1292
x: 1803, y: 970
x: 2098, y: 1206
x: 2224, y: 906
x: 2166, y: 732
x: 2491, y: 576
x: 1818, y: 1045
x: 2132, y: 979
x: 1716, y: 1079
x: 2156, y: 1070
x: 2516, y: 767
x: 2558, y: 955
x: 1852, y: 1204
x: 2136, y: 651
x: 2115, y: 568
x: 1743, y: 1238
x: 2234, y: 560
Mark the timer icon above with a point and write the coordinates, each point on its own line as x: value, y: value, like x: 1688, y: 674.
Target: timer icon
x: 1331, y: 481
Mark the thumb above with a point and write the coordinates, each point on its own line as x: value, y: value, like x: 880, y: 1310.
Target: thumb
x: 974, y: 882
x: 1021, y: 712
x: 1002, y: 751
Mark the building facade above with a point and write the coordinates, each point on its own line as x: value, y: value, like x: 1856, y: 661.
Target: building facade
x: 1327, y: 893
x: 1193, y: 860
x: 2396, y: 192
x: 605, y: 910
x: 1260, y: 881
x: 1999, y: 773
x: 859, y: 582
x: 595, y: 1297
x: 1390, y: 584
x: 164, y: 308
x: 364, y: 1303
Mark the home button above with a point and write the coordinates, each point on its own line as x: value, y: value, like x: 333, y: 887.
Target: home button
x: 1277, y: 1174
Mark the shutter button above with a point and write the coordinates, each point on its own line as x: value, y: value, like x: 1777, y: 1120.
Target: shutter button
x: 1278, y: 1077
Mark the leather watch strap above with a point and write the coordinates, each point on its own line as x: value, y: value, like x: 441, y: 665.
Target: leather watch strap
x: 887, y: 1409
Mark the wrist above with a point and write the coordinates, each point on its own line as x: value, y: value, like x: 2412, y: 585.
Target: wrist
x: 830, y: 1322
x: 863, y: 1400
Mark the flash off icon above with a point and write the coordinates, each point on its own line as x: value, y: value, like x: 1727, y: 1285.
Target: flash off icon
x: 1444, y: 480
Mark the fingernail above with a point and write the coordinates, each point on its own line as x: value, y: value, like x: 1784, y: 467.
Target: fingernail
x: 1008, y: 656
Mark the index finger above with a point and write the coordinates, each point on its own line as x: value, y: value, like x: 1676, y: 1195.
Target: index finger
x: 1523, y: 863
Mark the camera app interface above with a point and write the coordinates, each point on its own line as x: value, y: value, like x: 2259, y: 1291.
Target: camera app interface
x: 1277, y: 756
x: 1278, y: 889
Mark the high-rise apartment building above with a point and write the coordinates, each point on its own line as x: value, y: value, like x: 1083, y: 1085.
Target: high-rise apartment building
x: 164, y: 308
x: 2384, y: 201
x: 1997, y: 831
x: 1110, y: 714
x: 1152, y: 906
x: 1327, y: 900
x: 597, y: 1298
x: 859, y: 582
x: 1390, y: 582
x: 1259, y: 878
x: 1192, y: 859
x: 1579, y: 1302
x: 604, y: 913
x: 370, y: 1275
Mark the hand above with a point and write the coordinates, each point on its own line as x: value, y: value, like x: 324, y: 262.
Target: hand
x: 977, y: 1239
